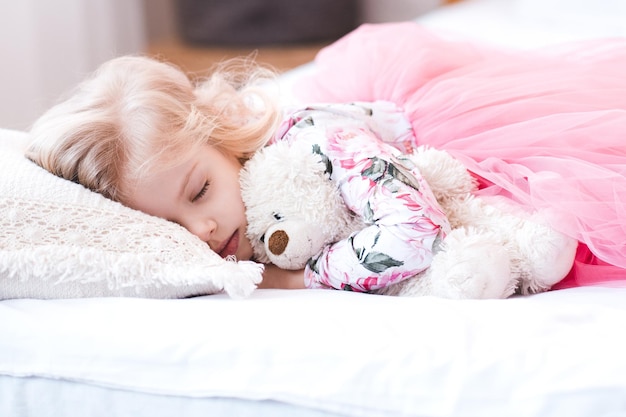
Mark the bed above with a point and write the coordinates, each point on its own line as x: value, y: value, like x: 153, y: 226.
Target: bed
x: 315, y: 353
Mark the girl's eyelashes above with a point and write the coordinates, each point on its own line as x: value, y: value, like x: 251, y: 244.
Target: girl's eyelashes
x: 201, y: 193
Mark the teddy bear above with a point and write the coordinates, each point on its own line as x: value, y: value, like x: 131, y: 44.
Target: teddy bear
x: 494, y: 249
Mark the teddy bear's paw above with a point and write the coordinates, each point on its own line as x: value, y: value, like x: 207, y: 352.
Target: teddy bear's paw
x: 472, y: 266
x: 447, y: 177
x: 549, y: 256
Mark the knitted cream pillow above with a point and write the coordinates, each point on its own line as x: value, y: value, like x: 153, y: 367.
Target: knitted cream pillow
x: 60, y: 240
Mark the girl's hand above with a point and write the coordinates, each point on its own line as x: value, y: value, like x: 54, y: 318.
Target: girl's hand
x: 274, y: 277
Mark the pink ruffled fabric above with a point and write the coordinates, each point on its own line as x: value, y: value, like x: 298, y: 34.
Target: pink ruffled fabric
x: 546, y: 128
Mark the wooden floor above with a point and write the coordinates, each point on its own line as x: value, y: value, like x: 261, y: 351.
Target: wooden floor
x: 198, y: 59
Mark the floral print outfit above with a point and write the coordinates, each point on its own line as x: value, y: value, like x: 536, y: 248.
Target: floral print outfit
x: 360, y: 143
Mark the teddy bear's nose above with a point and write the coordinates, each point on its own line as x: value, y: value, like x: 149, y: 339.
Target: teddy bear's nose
x: 277, y: 242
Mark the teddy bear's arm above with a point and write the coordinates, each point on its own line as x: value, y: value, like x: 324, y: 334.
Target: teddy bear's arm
x: 368, y: 261
x: 403, y: 224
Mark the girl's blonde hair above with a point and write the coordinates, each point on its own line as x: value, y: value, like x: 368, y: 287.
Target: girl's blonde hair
x: 136, y: 115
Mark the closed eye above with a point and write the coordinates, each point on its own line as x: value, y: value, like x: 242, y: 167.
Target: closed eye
x: 201, y: 193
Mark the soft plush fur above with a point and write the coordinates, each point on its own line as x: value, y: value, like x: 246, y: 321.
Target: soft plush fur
x: 293, y: 208
x: 493, y: 250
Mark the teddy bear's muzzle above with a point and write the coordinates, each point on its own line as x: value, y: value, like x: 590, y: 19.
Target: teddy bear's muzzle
x: 290, y: 243
x: 277, y: 242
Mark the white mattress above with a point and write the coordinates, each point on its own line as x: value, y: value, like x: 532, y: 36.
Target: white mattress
x: 328, y: 353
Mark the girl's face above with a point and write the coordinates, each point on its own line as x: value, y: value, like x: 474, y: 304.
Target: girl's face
x: 202, y: 194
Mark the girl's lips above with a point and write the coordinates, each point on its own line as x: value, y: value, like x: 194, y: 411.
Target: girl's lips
x: 231, y: 246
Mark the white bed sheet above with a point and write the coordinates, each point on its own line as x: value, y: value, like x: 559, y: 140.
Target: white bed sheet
x: 530, y: 23
x: 560, y: 353
x: 44, y: 397
x: 328, y: 353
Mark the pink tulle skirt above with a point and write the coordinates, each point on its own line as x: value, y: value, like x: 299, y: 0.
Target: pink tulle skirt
x: 546, y: 128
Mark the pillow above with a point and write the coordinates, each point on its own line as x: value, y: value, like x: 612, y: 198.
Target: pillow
x: 61, y: 240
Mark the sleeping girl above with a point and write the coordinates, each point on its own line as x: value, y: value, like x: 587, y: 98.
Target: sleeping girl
x: 140, y: 132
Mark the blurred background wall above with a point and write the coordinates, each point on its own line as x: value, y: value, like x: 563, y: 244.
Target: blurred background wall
x: 49, y: 46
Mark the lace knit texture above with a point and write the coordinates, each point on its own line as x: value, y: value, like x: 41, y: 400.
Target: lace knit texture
x: 60, y: 240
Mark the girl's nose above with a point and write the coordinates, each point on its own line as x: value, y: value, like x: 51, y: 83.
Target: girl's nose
x: 203, y: 229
